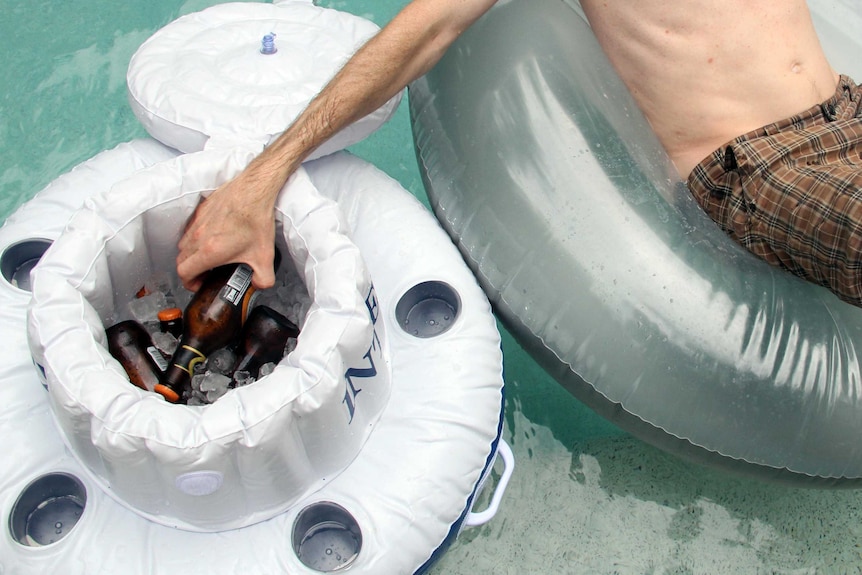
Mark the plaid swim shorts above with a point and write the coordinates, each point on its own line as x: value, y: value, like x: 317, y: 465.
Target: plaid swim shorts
x: 791, y: 192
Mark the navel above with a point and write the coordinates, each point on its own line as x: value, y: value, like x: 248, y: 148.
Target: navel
x: 796, y: 68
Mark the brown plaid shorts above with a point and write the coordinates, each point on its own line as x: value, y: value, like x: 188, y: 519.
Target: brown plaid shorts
x: 791, y: 192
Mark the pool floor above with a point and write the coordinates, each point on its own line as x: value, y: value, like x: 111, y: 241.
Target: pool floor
x: 586, y: 497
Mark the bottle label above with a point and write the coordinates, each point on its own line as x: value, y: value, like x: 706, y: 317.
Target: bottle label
x: 239, y: 282
x: 157, y: 357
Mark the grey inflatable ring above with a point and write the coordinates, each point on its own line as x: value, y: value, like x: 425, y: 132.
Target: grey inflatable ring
x: 541, y: 167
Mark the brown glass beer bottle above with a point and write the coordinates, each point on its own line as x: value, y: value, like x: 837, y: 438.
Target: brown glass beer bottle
x: 130, y: 344
x: 212, y: 320
x: 263, y: 338
x: 171, y: 321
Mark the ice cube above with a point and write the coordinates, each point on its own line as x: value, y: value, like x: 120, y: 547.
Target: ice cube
x: 198, y: 396
x: 221, y: 361
x: 195, y: 400
x: 165, y: 342
x: 145, y: 309
x: 163, y: 283
x: 212, y: 396
x: 266, y: 369
x: 242, y: 378
x: 197, y: 378
x: 213, y: 381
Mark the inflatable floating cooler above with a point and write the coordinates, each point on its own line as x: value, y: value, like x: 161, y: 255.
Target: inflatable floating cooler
x: 367, y: 446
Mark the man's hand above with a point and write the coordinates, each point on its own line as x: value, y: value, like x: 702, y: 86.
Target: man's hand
x: 230, y: 226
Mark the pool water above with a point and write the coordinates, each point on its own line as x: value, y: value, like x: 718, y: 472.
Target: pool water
x: 586, y: 497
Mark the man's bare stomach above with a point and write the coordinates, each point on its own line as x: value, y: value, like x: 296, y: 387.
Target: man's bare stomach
x: 707, y: 71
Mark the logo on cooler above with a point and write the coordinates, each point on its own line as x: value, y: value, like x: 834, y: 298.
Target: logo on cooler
x: 367, y: 369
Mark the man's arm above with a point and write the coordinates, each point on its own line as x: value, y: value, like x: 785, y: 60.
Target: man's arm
x: 236, y: 222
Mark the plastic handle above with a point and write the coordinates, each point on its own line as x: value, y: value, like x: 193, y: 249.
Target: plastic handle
x: 504, y: 452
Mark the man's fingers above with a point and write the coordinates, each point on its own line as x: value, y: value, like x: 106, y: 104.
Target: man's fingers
x: 186, y: 238
x: 263, y: 278
x: 190, y: 270
x: 194, y: 285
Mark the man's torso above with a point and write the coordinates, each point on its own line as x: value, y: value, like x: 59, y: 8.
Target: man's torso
x: 705, y: 71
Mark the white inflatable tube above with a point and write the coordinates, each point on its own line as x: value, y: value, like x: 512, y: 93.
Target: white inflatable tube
x: 364, y: 449
x: 58, y: 200
x: 542, y: 168
x: 409, y: 490
x: 215, y: 468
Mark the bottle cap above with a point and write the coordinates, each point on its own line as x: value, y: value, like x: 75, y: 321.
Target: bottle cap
x: 170, y: 314
x: 167, y: 392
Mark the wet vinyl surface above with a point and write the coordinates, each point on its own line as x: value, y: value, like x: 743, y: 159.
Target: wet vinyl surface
x: 585, y: 497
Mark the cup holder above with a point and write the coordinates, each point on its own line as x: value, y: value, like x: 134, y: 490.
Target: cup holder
x: 47, y: 510
x: 18, y: 259
x: 428, y: 309
x: 326, y: 537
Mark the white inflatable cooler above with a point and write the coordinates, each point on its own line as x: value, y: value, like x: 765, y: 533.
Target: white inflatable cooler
x: 365, y: 448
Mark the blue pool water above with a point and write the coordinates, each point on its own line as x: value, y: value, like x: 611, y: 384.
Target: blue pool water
x: 586, y: 498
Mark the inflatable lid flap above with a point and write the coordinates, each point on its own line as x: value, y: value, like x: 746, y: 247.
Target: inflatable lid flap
x: 292, y: 425
x: 245, y: 71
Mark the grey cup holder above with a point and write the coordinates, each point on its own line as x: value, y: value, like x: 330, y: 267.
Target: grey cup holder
x: 19, y: 258
x: 428, y: 309
x: 47, y: 510
x: 326, y: 537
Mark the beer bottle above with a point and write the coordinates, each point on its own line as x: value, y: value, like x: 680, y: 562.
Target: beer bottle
x: 130, y: 344
x: 212, y: 319
x: 171, y: 321
x: 263, y: 339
